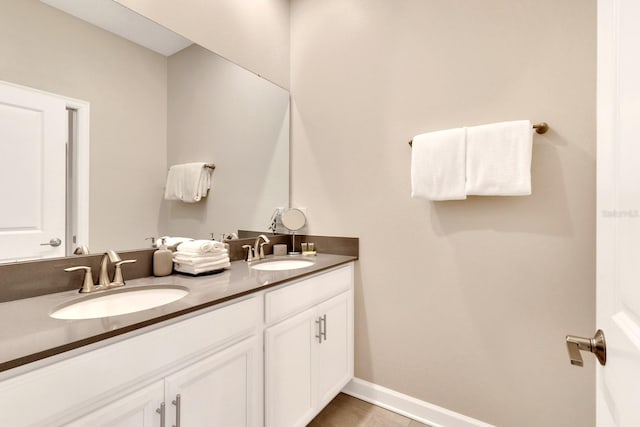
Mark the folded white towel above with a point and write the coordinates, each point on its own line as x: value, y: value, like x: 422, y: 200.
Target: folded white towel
x: 499, y: 159
x: 171, y: 241
x: 200, y: 246
x: 188, y: 182
x: 216, y: 253
x: 438, y: 165
x: 185, y: 268
x: 206, y: 265
x: 197, y: 260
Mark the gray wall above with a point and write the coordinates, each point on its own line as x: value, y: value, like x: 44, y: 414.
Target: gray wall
x: 43, y: 48
x: 223, y: 114
x: 462, y: 304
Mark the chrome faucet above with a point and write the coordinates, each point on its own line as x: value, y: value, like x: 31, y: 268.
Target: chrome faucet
x: 259, y: 246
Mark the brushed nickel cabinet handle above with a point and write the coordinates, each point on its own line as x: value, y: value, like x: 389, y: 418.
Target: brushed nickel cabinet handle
x: 177, y: 405
x: 595, y: 345
x: 161, y: 411
x: 319, y: 335
x: 323, y: 327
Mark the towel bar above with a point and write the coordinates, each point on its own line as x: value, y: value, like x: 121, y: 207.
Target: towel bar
x: 540, y: 128
x: 210, y: 166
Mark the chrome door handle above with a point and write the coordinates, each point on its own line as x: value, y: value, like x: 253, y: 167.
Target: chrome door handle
x: 595, y: 345
x: 55, y: 242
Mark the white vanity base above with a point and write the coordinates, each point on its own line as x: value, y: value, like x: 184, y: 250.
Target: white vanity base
x: 234, y: 365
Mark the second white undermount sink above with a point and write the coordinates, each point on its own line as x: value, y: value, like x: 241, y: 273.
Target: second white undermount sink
x: 282, y: 264
x: 121, y: 301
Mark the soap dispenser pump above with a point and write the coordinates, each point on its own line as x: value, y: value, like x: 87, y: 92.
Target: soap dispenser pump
x: 162, y: 260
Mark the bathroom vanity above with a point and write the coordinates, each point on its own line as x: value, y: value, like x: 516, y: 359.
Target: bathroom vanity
x: 243, y: 348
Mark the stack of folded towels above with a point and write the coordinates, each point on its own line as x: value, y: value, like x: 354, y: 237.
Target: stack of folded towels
x: 201, y: 256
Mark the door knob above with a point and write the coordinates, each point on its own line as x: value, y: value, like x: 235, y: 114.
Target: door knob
x: 595, y: 345
x: 55, y: 242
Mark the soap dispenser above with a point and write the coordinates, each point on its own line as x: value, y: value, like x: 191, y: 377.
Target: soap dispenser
x: 162, y: 260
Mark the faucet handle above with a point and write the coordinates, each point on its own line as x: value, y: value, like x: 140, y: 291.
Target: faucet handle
x: 87, y: 284
x: 262, y: 249
x: 250, y: 254
x: 118, y: 279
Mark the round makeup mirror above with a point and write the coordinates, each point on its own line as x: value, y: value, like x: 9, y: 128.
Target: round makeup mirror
x: 293, y: 219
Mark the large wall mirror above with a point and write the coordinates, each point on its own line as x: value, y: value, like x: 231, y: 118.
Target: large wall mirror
x: 150, y: 107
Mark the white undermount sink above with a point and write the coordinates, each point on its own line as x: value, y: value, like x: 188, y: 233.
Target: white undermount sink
x: 121, y: 301
x: 282, y: 264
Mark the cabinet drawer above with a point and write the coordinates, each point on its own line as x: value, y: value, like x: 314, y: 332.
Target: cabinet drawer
x: 299, y: 296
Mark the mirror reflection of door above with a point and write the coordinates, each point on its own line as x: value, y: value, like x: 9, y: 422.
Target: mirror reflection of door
x: 35, y: 221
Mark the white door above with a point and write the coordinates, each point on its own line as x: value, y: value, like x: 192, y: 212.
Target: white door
x: 139, y: 409
x: 224, y: 389
x: 618, y: 224
x: 33, y: 131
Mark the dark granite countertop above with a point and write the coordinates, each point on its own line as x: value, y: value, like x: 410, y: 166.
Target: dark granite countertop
x: 29, y: 334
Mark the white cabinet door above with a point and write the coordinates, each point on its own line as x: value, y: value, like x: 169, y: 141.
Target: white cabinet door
x: 224, y: 389
x: 335, y: 351
x: 137, y: 409
x: 308, y: 360
x: 289, y: 361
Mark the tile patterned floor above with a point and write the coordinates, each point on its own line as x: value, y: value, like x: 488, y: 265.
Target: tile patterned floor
x: 347, y: 411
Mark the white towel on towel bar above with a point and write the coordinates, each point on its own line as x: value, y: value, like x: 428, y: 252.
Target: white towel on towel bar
x: 438, y: 165
x: 499, y: 159
x: 188, y: 182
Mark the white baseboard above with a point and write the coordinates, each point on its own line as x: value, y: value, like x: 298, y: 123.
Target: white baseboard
x: 408, y: 406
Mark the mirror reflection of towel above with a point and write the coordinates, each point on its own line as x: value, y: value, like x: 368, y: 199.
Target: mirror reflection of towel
x: 188, y: 182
